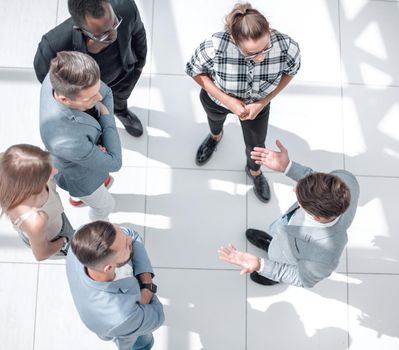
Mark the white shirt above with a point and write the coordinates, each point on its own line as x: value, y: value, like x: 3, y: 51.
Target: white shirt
x: 123, y: 272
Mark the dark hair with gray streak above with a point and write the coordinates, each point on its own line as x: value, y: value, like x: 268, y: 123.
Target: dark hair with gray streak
x: 80, y: 9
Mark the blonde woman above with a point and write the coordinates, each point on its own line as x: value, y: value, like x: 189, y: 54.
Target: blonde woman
x: 28, y: 197
x: 240, y: 71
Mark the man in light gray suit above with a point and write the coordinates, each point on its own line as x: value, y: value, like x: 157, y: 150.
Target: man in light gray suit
x: 110, y: 277
x: 304, y: 245
x: 78, y: 128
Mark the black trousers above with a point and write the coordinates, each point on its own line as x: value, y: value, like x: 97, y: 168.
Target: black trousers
x: 254, y: 131
x: 122, y: 90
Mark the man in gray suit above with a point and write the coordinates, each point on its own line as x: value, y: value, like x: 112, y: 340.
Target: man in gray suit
x: 110, y: 277
x: 78, y: 128
x: 304, y: 245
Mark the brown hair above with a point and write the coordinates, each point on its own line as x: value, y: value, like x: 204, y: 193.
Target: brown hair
x: 24, y: 172
x: 246, y: 23
x: 92, y: 243
x: 323, y: 195
x: 72, y: 72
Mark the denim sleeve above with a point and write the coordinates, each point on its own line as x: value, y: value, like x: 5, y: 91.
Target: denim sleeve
x: 141, y: 261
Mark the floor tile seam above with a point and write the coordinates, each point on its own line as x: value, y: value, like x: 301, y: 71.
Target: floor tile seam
x: 19, y: 262
x: 194, y: 168
x: 348, y: 338
x: 341, y: 82
x: 148, y: 123
x: 391, y: 1
x: 203, y: 268
x: 378, y: 176
x: 194, y: 268
x: 56, y: 13
x: 152, y: 36
x: 243, y: 171
x: 308, y: 82
x: 246, y: 277
x: 373, y: 273
x: 347, y: 309
x: 36, y: 299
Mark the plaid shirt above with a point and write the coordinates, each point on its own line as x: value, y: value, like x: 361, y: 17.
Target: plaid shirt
x: 245, y: 79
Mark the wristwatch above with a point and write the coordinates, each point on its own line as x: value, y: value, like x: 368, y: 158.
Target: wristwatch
x: 65, y: 247
x: 151, y: 286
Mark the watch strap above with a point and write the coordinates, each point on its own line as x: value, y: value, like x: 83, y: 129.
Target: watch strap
x: 151, y: 286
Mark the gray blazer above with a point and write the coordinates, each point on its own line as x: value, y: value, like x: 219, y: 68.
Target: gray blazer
x: 72, y: 137
x: 112, y: 310
x: 301, y: 255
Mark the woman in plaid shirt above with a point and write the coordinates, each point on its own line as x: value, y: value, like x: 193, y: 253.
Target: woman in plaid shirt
x: 240, y: 71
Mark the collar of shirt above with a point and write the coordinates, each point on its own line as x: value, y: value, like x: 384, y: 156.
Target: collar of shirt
x: 302, y: 218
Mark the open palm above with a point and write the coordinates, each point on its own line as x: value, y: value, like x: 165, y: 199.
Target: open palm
x: 274, y: 160
x: 248, y: 262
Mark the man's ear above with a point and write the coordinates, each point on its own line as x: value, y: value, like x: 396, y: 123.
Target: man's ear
x: 61, y: 98
x: 107, y: 268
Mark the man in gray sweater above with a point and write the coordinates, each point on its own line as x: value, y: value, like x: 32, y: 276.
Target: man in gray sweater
x: 303, y: 245
x: 78, y: 128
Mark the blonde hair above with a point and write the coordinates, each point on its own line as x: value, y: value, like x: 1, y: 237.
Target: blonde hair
x: 24, y: 171
x: 246, y: 23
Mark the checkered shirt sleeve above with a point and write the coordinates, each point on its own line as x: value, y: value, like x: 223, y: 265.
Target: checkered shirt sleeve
x: 293, y: 60
x: 202, y: 60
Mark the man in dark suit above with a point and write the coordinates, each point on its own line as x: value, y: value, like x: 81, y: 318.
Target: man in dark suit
x: 112, y: 33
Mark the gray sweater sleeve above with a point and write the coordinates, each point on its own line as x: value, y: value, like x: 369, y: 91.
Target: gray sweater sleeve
x: 305, y: 274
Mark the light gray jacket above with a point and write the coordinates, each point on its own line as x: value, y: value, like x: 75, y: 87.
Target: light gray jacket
x: 72, y: 137
x: 303, y: 255
x: 112, y: 310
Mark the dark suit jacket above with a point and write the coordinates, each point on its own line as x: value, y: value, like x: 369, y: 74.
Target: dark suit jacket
x: 131, y: 40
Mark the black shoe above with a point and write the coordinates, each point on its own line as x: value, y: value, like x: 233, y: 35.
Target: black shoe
x: 206, y: 149
x: 258, y: 238
x: 131, y: 123
x: 261, y: 280
x: 261, y: 187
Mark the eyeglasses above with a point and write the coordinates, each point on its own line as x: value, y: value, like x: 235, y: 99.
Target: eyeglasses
x: 260, y: 53
x: 104, y: 37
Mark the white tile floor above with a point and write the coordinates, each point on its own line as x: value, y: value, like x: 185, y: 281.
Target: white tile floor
x: 340, y: 112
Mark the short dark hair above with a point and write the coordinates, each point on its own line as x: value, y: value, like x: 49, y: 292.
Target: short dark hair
x: 80, y: 9
x: 92, y: 243
x: 71, y: 72
x: 323, y: 195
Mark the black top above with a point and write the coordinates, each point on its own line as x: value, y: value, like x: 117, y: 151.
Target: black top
x: 93, y: 112
x: 109, y: 61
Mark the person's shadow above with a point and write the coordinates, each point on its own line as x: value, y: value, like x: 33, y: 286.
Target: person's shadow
x: 281, y: 328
